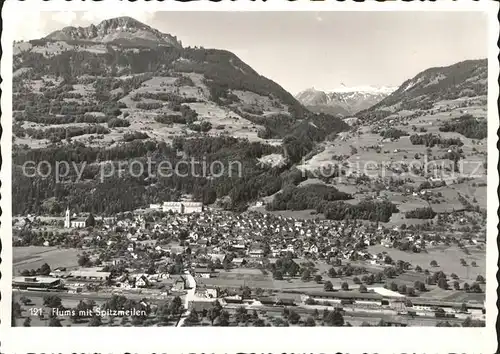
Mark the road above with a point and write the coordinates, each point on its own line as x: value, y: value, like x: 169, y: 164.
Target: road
x: 191, y: 284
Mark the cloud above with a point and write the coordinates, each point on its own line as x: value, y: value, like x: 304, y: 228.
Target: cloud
x: 64, y: 17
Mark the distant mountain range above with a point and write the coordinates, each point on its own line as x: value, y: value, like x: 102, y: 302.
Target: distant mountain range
x: 345, y: 101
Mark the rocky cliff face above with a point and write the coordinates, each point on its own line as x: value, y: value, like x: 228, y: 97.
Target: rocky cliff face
x: 116, y: 29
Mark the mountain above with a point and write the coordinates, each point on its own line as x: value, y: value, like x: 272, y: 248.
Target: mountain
x: 125, y: 29
x: 344, y: 100
x: 464, y: 79
x: 121, y: 90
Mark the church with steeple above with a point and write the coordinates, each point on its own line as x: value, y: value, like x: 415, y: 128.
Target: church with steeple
x: 76, y: 222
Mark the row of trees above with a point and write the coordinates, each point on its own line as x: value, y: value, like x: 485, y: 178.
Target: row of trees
x: 430, y: 140
x: 468, y: 126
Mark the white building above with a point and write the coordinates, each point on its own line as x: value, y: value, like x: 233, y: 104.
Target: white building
x: 74, y: 222
x: 183, y: 207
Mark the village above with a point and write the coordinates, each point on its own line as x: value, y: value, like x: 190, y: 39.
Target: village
x: 204, y: 259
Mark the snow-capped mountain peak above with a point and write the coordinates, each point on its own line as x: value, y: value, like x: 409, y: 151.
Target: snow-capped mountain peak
x: 365, y: 89
x: 344, y: 100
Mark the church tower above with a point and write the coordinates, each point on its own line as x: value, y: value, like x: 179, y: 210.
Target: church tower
x: 67, y: 218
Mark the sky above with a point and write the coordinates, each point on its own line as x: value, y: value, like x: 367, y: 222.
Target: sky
x: 301, y: 50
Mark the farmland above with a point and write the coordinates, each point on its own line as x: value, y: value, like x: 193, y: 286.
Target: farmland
x: 32, y: 257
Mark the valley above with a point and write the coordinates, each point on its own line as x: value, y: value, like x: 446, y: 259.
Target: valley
x: 366, y: 203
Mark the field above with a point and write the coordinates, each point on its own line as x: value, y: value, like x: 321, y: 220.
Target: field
x: 33, y: 257
x: 448, y: 260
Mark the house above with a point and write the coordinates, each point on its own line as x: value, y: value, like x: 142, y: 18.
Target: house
x: 205, y: 273
x: 90, y: 275
x: 239, y: 262
x: 183, y: 207
x: 192, y: 207
x: 35, y: 282
x: 142, y: 282
x: 313, y: 249
x: 206, y: 293
x: 175, y: 207
x: 256, y: 253
x: 180, y: 284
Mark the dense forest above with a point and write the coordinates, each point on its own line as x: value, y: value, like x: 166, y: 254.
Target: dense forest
x: 468, y: 126
x: 242, y: 179
x: 306, y: 197
x: 431, y: 140
x: 329, y: 201
x: 421, y: 213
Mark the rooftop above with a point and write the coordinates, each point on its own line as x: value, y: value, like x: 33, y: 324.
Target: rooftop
x: 34, y: 280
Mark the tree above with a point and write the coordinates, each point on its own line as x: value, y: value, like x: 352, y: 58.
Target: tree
x: 259, y: 323
x: 433, y: 263
x: 193, y: 317
x: 480, y: 279
x: 246, y: 292
x: 294, y: 317
x: 27, y: 322
x: 278, y: 275
x: 285, y: 313
x: 176, y: 306
x: 456, y: 285
x: 420, y: 286
x: 410, y: 291
x: 52, y: 301
x: 223, y: 319
x: 363, y: 289
x: 394, y: 286
x: 356, y: 280
x: 443, y: 324
x: 16, y: 310
x: 84, y: 261
x: 91, y: 220
x: 345, y: 286
x: 318, y: 278
x: 466, y: 287
x: 55, y: 322
x: 328, y: 286
x: 310, y: 322
x: 306, y: 275
x: 418, y: 269
x: 335, y: 318
x: 332, y: 273
x: 473, y: 263
x: 476, y: 288
x: 95, y: 321
x: 310, y: 301
x: 442, y: 283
